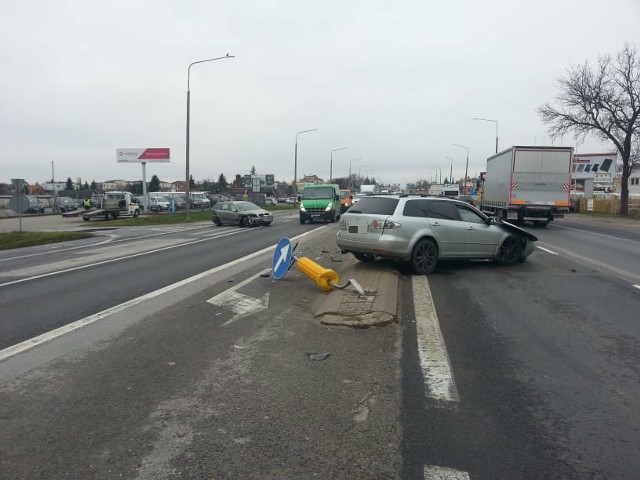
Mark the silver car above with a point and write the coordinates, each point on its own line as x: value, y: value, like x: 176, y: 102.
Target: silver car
x: 244, y: 214
x: 424, y: 230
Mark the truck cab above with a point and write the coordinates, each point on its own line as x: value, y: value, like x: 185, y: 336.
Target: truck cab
x: 320, y: 202
x: 346, y: 199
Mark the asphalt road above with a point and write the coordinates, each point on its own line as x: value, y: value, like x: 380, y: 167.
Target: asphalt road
x: 543, y: 358
x: 74, y: 281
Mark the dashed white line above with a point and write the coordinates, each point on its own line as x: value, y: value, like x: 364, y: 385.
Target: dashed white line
x: 432, y: 351
x: 637, y: 286
x: 112, y: 260
x: 45, y: 337
x: 432, y: 472
x: 548, y: 251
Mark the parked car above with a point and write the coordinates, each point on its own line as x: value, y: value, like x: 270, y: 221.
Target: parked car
x: 270, y: 201
x: 64, y: 204
x: 245, y: 214
x: 290, y: 201
x: 217, y: 197
x: 425, y: 230
x: 35, y: 205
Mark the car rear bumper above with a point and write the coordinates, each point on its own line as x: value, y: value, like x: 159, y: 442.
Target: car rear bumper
x: 388, y: 246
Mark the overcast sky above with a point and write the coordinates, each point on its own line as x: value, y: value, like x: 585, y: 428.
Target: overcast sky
x: 396, y: 82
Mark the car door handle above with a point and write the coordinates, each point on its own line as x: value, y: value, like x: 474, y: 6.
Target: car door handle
x: 470, y: 228
x: 435, y: 224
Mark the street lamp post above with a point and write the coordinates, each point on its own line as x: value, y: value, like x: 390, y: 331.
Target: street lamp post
x: 331, y: 163
x: 450, y: 169
x: 466, y: 168
x: 295, y: 165
x: 438, y: 170
x: 352, y: 160
x: 188, y: 198
x: 489, y: 120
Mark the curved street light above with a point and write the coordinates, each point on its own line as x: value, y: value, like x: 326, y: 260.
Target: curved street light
x: 331, y: 164
x: 466, y: 168
x: 489, y: 120
x: 187, y: 187
x: 295, y: 165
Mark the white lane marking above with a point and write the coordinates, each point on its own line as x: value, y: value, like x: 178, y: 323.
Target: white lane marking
x: 45, y: 337
x: 434, y: 358
x: 637, y: 286
x: 242, y: 305
x: 113, y: 239
x: 432, y: 472
x: 59, y: 250
x: 547, y: 250
x: 112, y: 260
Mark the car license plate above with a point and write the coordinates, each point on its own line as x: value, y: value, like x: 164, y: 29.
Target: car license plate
x: 357, y: 225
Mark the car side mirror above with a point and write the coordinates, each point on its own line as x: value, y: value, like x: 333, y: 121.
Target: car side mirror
x: 337, y: 197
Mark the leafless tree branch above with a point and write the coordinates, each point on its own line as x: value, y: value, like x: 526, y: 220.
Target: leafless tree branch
x: 603, y: 101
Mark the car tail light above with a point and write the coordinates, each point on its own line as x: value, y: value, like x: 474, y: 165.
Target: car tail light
x: 384, y: 225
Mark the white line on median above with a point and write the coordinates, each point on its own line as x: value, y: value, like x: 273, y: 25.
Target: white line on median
x: 547, y: 250
x: 442, y: 473
x: 117, y: 259
x: 434, y: 359
x: 637, y: 286
x: 45, y: 337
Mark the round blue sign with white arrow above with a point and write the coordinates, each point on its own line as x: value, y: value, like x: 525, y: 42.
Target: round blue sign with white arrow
x: 281, y: 258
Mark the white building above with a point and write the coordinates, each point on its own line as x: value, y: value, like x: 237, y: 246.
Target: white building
x: 634, y: 180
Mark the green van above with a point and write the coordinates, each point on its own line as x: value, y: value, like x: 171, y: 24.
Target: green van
x: 320, y: 202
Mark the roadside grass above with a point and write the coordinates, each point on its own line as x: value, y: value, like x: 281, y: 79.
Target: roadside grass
x: 178, y: 217
x: 160, y: 219
x: 11, y: 240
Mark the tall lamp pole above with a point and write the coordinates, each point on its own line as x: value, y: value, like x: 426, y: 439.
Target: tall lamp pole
x: 352, y: 160
x: 295, y: 164
x: 489, y: 120
x: 331, y: 163
x: 438, y: 169
x: 466, y: 168
x: 188, y: 198
x: 450, y: 169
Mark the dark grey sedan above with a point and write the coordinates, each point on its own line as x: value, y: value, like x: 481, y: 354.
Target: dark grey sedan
x: 244, y: 214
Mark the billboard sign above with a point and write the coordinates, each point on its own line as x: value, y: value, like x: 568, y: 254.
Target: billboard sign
x: 591, y: 165
x: 140, y: 155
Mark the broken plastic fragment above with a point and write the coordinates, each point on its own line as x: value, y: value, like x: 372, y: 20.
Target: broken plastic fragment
x: 318, y: 356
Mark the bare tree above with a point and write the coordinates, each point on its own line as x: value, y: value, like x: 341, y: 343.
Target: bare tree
x: 603, y: 101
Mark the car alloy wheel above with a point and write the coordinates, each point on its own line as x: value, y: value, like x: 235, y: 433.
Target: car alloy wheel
x: 510, y: 251
x: 244, y: 222
x: 424, y: 257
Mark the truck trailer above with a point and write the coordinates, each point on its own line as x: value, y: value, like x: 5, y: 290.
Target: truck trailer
x: 525, y: 183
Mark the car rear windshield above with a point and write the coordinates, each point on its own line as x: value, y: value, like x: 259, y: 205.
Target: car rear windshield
x: 375, y: 205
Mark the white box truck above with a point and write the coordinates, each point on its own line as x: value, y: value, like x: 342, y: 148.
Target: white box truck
x: 528, y: 184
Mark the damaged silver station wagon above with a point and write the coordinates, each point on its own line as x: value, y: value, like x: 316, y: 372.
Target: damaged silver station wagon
x: 425, y: 230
